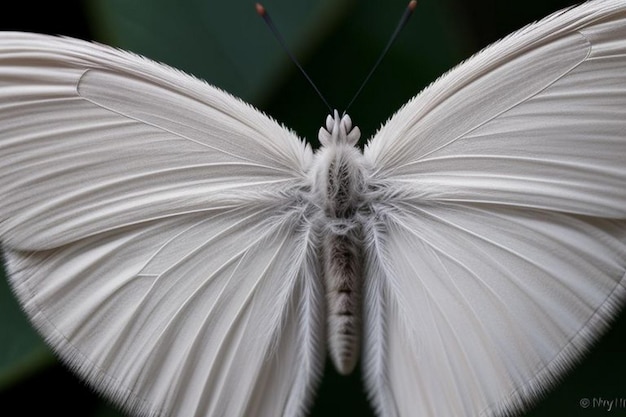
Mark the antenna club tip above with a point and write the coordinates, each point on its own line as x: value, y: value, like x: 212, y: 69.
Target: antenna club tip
x: 261, y: 10
x: 412, y: 5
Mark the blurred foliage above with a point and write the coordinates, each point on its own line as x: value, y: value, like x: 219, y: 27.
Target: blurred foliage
x: 227, y: 44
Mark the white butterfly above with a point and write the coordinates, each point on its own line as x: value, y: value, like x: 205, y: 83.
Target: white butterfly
x: 188, y: 256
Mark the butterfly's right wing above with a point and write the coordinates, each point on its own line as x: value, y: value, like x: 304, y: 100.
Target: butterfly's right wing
x: 497, y: 240
x: 154, y: 231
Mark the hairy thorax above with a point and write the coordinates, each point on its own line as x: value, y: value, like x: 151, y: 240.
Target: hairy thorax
x: 338, y: 184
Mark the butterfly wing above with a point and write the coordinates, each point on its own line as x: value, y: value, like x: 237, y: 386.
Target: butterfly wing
x: 154, y: 231
x: 497, y: 253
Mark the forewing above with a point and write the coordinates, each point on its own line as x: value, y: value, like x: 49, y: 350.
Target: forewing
x: 153, y: 229
x: 94, y: 138
x: 536, y: 120
x: 497, y: 240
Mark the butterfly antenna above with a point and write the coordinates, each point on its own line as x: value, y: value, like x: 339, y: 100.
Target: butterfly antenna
x: 266, y: 17
x: 401, y: 24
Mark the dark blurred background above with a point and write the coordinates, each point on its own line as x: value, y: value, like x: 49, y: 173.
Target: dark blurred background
x: 336, y: 41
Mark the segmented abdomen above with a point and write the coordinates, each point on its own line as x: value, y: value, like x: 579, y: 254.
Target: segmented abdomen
x: 342, y: 273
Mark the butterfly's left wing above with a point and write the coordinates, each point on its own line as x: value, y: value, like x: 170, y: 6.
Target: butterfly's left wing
x: 497, y: 250
x: 211, y: 314
x: 153, y: 231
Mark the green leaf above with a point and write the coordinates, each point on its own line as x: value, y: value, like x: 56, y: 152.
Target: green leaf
x: 225, y: 42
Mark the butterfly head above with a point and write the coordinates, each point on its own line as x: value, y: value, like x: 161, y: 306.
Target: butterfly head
x: 339, y: 130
